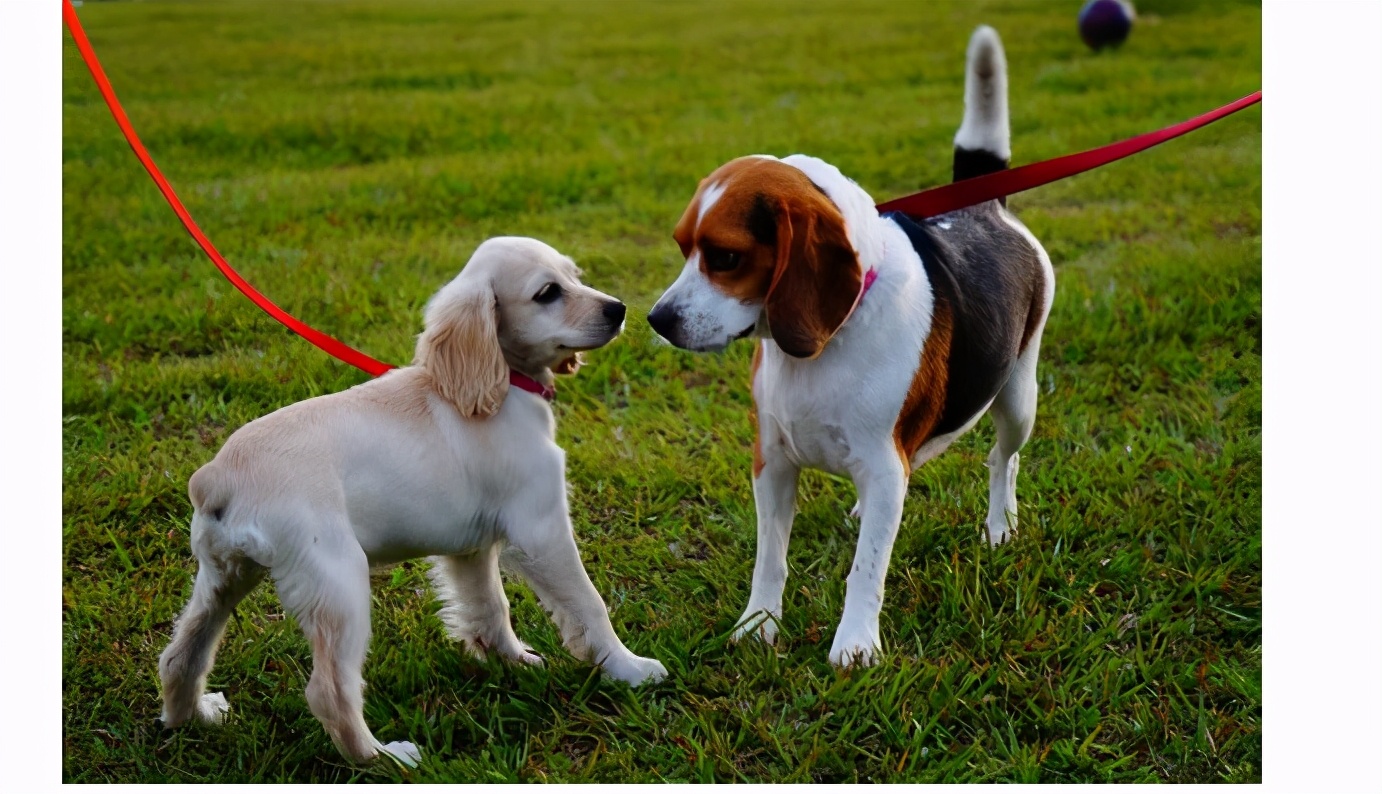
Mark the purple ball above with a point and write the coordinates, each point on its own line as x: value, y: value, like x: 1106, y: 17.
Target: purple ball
x: 1105, y: 23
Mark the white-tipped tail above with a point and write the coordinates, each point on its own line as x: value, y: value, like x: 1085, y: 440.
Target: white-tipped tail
x: 985, y: 126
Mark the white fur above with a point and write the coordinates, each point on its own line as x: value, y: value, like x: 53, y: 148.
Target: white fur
x: 985, y: 124
x: 838, y: 412
x: 826, y: 414
x: 710, y: 319
x: 823, y: 414
x: 317, y: 492
x: 709, y: 196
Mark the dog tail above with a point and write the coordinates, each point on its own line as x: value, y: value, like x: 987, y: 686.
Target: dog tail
x: 209, y: 492
x: 981, y: 145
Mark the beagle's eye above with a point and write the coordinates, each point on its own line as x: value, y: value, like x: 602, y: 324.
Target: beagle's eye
x: 718, y: 260
x: 548, y: 293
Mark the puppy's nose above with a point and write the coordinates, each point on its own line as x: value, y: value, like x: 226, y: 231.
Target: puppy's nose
x: 614, y: 312
x: 663, y: 320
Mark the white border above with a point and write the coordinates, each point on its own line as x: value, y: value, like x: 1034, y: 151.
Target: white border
x: 1322, y: 396
x: 31, y: 394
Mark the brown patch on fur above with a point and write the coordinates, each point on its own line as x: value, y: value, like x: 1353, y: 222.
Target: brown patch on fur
x: 460, y: 350
x: 753, y: 414
x: 921, y: 411
x: 794, y: 253
x: 725, y: 228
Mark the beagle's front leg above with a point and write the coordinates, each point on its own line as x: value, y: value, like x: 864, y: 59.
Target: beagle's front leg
x: 881, y: 479
x: 775, y: 497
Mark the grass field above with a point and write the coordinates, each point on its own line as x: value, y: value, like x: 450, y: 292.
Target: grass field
x: 349, y: 157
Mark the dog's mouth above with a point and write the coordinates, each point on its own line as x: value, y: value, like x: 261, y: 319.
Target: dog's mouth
x: 592, y: 345
x: 745, y: 332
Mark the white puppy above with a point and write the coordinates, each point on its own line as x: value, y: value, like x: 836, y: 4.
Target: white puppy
x: 454, y: 456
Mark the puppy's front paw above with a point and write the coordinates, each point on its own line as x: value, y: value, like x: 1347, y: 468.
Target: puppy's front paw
x: 635, y: 670
x: 855, y: 648
x: 405, y: 753
x: 212, y: 708
x: 758, y: 624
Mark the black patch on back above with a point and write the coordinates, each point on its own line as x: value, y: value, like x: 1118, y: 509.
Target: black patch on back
x: 991, y: 278
x: 970, y: 163
x: 762, y: 221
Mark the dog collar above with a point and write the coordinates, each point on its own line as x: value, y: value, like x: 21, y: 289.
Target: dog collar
x: 528, y: 384
x: 869, y: 277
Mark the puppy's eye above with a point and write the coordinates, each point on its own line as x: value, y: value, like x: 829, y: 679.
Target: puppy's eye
x: 548, y: 293
x: 718, y: 260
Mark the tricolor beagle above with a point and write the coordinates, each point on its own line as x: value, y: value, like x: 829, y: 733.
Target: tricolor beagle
x: 881, y: 339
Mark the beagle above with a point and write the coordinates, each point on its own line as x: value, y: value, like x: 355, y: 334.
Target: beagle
x: 454, y: 457
x: 880, y: 338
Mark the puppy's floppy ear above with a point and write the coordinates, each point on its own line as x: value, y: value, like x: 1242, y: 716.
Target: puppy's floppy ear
x: 460, y: 349
x: 816, y: 278
x: 569, y: 366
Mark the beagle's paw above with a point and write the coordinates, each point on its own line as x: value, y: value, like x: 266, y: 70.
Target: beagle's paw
x: 855, y: 647
x: 634, y: 670
x: 756, y: 624
x: 1001, y: 530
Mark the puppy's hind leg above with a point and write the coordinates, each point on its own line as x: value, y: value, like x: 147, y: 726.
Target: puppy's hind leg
x: 1014, y: 413
x: 328, y: 593
x: 184, y: 664
x: 476, y: 612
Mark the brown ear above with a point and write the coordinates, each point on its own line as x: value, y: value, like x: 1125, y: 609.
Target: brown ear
x: 460, y: 349
x: 569, y: 366
x: 816, y: 278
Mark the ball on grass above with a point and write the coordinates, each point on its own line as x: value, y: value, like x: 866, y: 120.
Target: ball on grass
x: 1105, y: 23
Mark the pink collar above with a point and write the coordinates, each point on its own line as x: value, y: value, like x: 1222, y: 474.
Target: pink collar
x: 528, y: 384
x: 869, y: 277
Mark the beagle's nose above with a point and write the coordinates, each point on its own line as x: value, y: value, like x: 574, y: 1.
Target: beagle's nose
x: 614, y: 312
x: 663, y: 320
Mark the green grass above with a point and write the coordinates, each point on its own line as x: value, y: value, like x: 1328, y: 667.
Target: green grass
x: 349, y: 157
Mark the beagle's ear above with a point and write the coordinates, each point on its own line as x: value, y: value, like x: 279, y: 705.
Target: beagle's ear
x: 459, y: 348
x: 816, y: 278
x: 570, y: 365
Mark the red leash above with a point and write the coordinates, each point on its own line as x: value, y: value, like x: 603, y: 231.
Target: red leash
x: 956, y: 195
x: 936, y: 201
x: 333, y: 347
